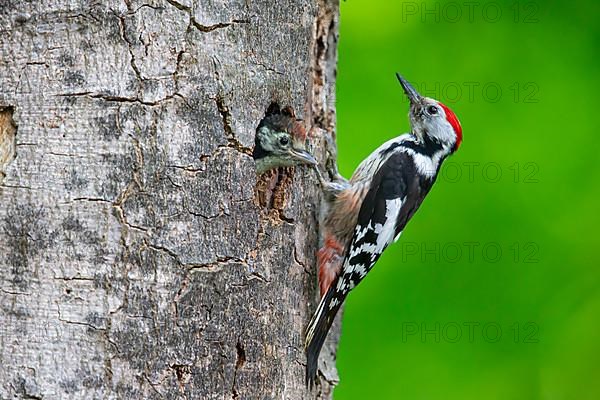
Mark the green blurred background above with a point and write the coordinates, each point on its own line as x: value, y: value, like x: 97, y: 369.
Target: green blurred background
x: 493, y: 290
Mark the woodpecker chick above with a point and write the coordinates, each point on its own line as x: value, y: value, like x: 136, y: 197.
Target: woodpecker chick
x: 370, y: 211
x: 280, y: 141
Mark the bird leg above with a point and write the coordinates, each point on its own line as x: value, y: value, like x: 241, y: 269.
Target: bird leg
x: 331, y: 160
x: 338, y: 183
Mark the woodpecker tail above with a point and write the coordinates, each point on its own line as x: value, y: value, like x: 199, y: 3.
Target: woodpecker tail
x: 317, y: 332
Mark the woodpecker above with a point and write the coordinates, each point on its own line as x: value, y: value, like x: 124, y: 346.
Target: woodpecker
x: 367, y: 213
x: 280, y: 141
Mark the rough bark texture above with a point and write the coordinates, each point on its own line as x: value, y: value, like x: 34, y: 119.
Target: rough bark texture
x: 136, y: 260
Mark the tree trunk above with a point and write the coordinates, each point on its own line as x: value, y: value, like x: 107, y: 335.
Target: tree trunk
x: 140, y: 256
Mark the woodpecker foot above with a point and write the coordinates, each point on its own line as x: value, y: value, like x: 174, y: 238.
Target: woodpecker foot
x: 331, y: 189
x: 338, y: 183
x: 331, y: 160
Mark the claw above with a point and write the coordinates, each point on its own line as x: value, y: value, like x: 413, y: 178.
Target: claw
x: 331, y: 162
x: 332, y: 188
x: 331, y: 146
x: 322, y: 180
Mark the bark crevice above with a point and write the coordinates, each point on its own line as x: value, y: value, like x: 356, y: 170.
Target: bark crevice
x: 8, y: 134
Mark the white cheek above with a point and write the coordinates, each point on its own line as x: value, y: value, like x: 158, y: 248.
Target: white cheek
x: 442, y: 130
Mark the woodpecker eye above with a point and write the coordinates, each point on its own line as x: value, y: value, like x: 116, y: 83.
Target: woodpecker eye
x: 284, y: 140
x: 432, y: 110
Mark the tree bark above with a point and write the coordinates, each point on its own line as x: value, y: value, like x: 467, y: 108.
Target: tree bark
x: 140, y: 256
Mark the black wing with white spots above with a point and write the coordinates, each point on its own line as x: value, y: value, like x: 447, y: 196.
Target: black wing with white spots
x: 395, y: 193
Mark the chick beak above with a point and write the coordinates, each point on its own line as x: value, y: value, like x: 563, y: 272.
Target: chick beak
x: 410, y: 91
x: 302, y: 156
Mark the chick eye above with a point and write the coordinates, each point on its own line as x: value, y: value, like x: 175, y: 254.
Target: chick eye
x: 432, y: 110
x: 284, y: 140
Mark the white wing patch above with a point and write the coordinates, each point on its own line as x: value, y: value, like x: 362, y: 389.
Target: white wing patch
x: 360, y: 270
x: 388, y: 231
x: 385, y: 234
x: 360, y: 233
x: 427, y: 166
x: 341, y: 286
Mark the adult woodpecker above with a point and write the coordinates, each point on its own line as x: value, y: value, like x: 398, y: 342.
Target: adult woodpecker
x: 370, y: 211
x: 280, y: 141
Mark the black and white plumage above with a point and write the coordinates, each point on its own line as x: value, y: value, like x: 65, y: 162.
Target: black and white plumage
x: 381, y: 197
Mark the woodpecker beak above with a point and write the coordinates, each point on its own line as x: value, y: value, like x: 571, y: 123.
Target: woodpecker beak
x: 303, y: 156
x: 410, y: 91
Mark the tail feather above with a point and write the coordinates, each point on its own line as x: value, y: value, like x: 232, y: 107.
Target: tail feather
x: 317, y: 332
